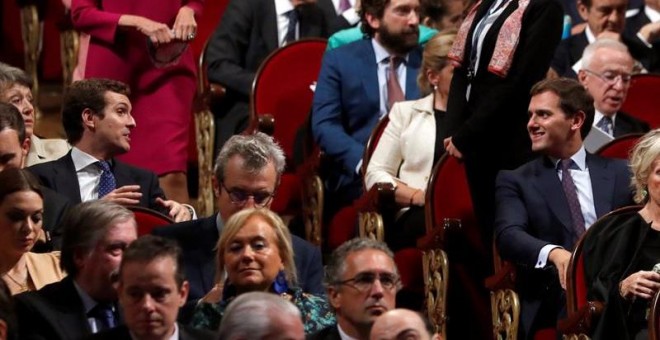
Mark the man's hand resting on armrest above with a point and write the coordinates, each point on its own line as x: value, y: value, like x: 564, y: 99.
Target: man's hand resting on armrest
x: 560, y: 258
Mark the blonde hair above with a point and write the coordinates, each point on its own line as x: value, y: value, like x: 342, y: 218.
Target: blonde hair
x: 434, y: 58
x: 645, y: 153
x: 238, y: 221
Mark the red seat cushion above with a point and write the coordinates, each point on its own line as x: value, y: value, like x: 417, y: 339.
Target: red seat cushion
x: 409, y: 263
x: 287, y: 199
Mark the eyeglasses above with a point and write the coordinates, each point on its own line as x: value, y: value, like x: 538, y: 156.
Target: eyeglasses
x: 240, y: 196
x: 611, y: 77
x: 364, y: 281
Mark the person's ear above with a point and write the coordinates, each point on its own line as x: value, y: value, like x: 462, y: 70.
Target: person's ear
x: 183, y: 293
x: 583, y: 10
x: 582, y: 77
x: 334, y: 297
x: 578, y: 120
x: 373, y: 22
x: 216, y: 187
x: 88, y: 118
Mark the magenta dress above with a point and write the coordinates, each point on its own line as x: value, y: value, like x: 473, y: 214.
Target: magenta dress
x: 162, y: 98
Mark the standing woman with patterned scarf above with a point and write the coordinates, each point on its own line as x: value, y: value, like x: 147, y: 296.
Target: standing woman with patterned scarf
x: 502, y: 48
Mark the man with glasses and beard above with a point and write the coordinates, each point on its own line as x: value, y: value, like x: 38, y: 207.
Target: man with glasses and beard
x: 247, y: 173
x: 362, y: 280
x: 358, y: 84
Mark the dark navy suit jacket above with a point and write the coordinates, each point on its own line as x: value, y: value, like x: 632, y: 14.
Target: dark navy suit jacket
x: 198, y: 239
x: 532, y: 212
x: 347, y: 103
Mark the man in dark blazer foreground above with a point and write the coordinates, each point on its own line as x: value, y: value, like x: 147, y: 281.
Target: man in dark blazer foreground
x: 534, y: 226
x: 247, y: 173
x: 96, y: 114
x: 606, y: 71
x: 85, y: 302
x: 247, y: 33
x: 151, y: 288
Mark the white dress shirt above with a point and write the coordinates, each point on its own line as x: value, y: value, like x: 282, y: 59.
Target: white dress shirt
x: 88, y: 173
x: 282, y: 8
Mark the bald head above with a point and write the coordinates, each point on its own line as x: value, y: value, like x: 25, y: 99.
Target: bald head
x: 401, y: 324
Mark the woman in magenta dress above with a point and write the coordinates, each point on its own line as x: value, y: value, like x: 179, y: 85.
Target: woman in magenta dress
x: 162, y: 97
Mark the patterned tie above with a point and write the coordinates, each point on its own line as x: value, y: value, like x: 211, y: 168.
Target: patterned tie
x: 571, y: 196
x: 394, y: 92
x: 344, y: 5
x: 605, y: 124
x: 291, y: 30
x: 104, y: 316
x: 107, y: 182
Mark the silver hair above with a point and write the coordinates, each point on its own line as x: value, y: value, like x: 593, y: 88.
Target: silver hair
x: 334, y: 271
x: 10, y: 75
x: 590, y: 50
x: 250, y: 315
x: 642, y: 159
x: 255, y: 149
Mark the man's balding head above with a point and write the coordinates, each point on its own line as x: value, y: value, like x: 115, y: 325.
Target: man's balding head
x: 401, y: 324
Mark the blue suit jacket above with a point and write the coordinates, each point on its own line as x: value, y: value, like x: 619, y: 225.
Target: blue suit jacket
x: 198, y: 239
x: 347, y: 102
x: 532, y: 212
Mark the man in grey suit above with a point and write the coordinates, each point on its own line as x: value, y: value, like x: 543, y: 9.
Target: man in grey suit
x: 542, y: 211
x: 151, y: 288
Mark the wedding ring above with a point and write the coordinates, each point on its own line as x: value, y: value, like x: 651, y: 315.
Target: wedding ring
x: 191, y: 36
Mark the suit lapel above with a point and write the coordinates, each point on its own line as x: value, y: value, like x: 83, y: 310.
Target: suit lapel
x: 412, y: 68
x: 369, y: 71
x: 269, y: 29
x: 578, y: 46
x: 602, y: 179
x: 549, y: 186
x: 71, y: 312
x: 121, y: 173
x: 310, y: 18
x: 66, y: 178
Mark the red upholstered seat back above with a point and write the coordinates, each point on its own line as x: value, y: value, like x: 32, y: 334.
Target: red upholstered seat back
x: 643, y: 100
x: 619, y: 147
x: 373, y: 142
x: 450, y: 195
x: 148, y: 219
x: 282, y: 88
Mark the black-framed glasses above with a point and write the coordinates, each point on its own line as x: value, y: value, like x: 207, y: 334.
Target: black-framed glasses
x: 611, y: 77
x: 364, y: 281
x: 240, y: 196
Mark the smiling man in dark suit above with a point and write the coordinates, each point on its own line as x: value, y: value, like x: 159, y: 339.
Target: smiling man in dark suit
x: 96, y: 115
x: 247, y: 172
x: 542, y: 211
x: 248, y: 32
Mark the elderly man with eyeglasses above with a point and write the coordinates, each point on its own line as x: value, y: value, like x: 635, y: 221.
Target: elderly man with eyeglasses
x: 362, y: 281
x: 247, y: 173
x: 606, y: 74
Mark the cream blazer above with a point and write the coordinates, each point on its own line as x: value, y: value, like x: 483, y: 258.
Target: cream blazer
x: 46, y: 150
x: 405, y: 150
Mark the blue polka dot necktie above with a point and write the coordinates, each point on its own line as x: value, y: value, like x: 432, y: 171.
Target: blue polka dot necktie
x: 107, y: 183
x: 571, y: 196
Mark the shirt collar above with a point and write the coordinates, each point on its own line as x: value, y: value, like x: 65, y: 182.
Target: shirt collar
x: 343, y: 334
x: 81, y: 159
x: 283, y: 6
x: 381, y: 52
x: 590, y: 35
x: 653, y: 15
x: 579, y: 158
x: 599, y: 115
x: 219, y: 224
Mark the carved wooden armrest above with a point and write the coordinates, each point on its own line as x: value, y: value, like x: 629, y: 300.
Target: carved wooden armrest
x: 374, y: 207
x: 436, y: 271
x: 440, y: 234
x: 504, y: 278
x: 583, y: 320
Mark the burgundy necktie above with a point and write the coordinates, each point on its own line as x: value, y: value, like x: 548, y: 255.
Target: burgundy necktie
x: 571, y: 196
x: 344, y: 5
x: 394, y: 92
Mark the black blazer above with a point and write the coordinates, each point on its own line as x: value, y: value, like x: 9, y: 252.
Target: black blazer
x: 55, y: 206
x: 185, y: 333
x: 570, y: 51
x: 198, y: 240
x: 626, y: 124
x: 52, y: 313
x: 336, y: 22
x: 246, y: 35
x: 60, y: 176
x: 328, y: 333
